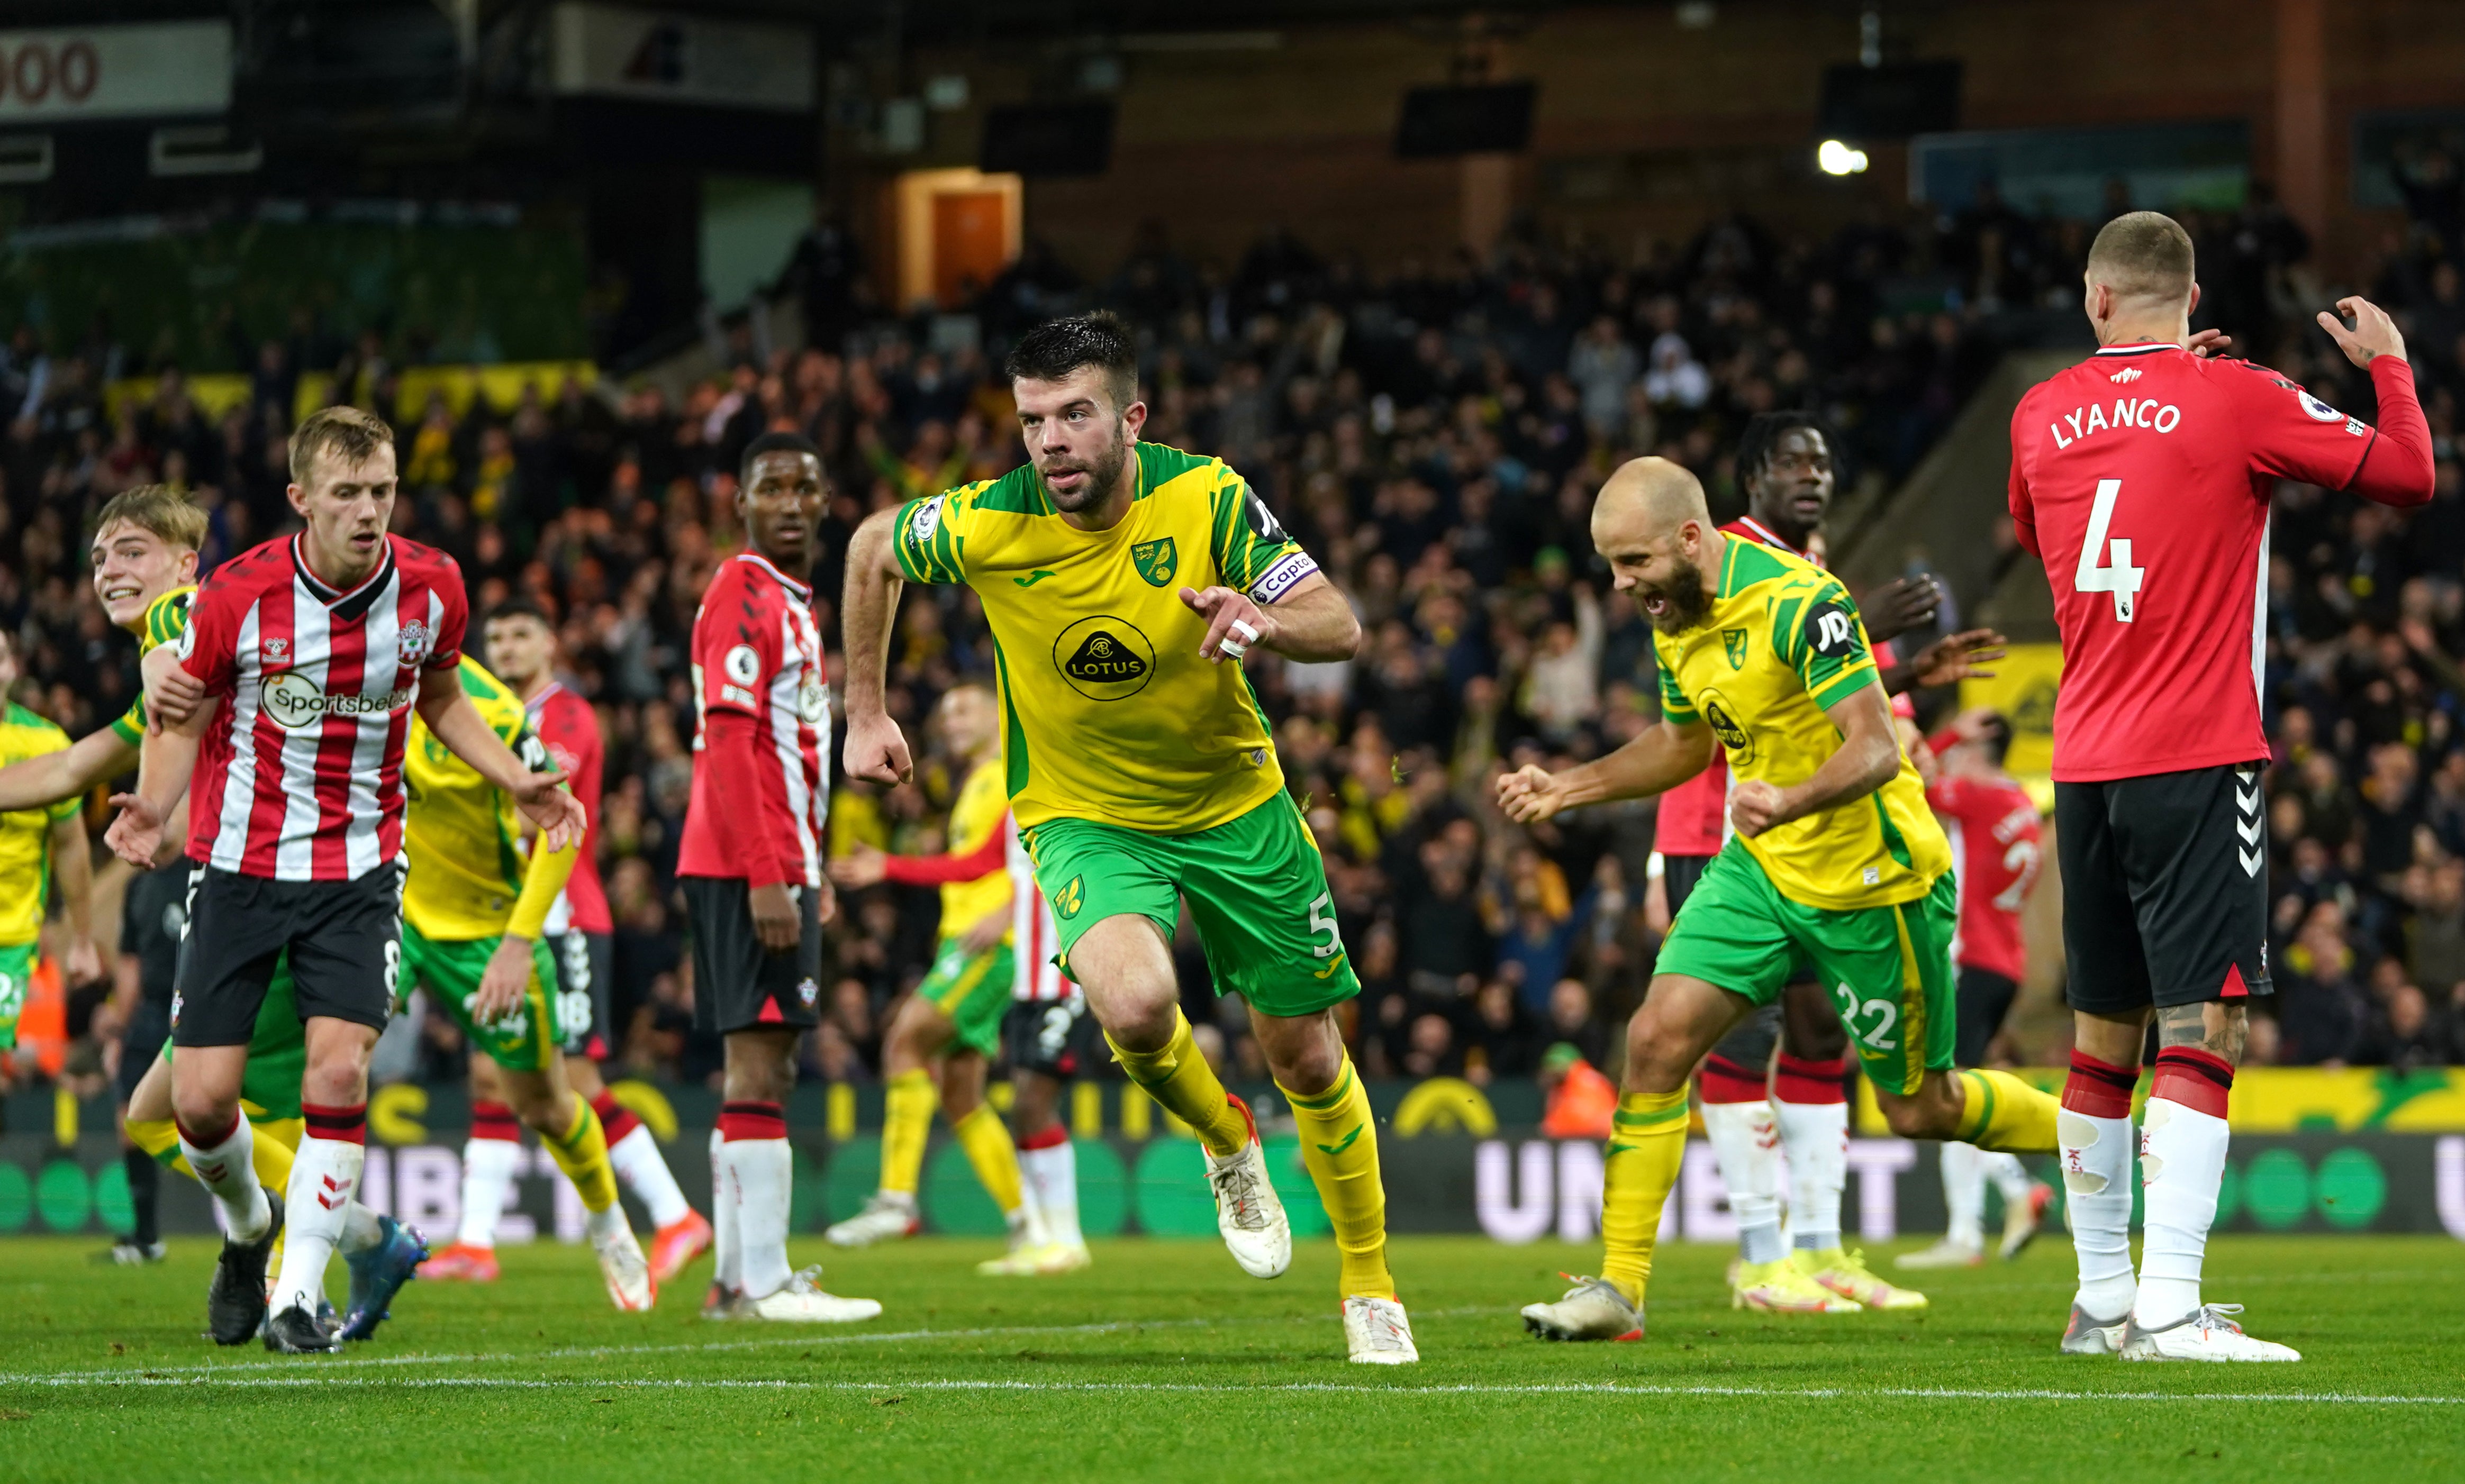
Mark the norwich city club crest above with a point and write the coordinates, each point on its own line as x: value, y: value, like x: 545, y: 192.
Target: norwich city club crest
x: 1069, y: 899
x: 1733, y: 642
x: 1155, y: 561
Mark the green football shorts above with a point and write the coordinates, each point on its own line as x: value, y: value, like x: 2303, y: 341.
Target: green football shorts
x: 1256, y: 889
x: 526, y: 1036
x: 16, y: 966
x: 1889, y: 969
x: 973, y: 989
x: 278, y: 1051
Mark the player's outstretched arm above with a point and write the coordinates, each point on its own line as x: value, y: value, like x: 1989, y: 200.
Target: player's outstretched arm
x: 171, y: 694
x: 166, y: 762
x: 1665, y: 755
x: 1867, y: 758
x: 1312, y: 623
x: 66, y: 773
x: 875, y: 747
x: 72, y: 867
x: 466, y: 734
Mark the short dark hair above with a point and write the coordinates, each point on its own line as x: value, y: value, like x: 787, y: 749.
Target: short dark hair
x: 1763, y: 435
x: 2142, y: 255
x: 1058, y: 347
x: 353, y: 435
x: 523, y: 606
x: 773, y: 443
x: 1994, y: 735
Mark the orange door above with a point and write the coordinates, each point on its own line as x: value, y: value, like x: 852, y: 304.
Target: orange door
x: 971, y: 241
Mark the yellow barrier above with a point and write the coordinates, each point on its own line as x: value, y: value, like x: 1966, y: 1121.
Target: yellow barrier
x: 2296, y: 1099
x: 218, y: 393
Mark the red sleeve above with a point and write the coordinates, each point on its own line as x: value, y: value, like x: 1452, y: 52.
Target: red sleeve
x: 736, y: 652
x: 2397, y: 468
x: 571, y: 729
x: 730, y: 752
x: 2024, y: 509
x: 209, y: 645
x: 1942, y: 741
x: 943, y: 870
x: 453, y: 613
x: 2295, y: 436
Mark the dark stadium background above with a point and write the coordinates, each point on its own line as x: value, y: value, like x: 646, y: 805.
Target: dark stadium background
x: 582, y: 255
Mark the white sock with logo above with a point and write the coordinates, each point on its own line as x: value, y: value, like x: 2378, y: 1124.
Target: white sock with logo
x: 1053, y: 1176
x: 323, y: 1176
x: 727, y: 1254
x: 2096, y: 1154
x: 225, y: 1168
x: 2182, y: 1168
x: 1816, y: 1137
x: 645, y: 1172
x: 763, y: 1168
x: 1744, y: 1145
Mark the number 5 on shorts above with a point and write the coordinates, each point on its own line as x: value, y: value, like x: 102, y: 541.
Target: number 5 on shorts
x: 1324, y: 921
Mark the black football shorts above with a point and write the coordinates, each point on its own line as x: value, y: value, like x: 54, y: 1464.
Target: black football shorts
x: 1056, y: 1038
x: 345, y: 943
x: 2165, y: 888
x: 737, y: 984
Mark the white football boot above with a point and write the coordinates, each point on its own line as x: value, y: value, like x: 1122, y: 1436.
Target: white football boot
x: 630, y: 1287
x: 801, y: 1300
x: 888, y: 1216
x: 1247, y: 1211
x: 2205, y: 1333
x: 2088, y: 1335
x: 1377, y: 1333
x: 1593, y: 1309
x: 1945, y: 1254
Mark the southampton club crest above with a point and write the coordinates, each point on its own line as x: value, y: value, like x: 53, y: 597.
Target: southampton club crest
x: 414, y: 641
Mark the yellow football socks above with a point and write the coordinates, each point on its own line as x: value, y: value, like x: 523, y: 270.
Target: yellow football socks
x: 1646, y: 1141
x: 582, y: 1153
x: 160, y: 1138
x: 1178, y: 1077
x: 2004, y: 1114
x: 1340, y: 1144
x: 986, y: 1140
x: 906, y: 1118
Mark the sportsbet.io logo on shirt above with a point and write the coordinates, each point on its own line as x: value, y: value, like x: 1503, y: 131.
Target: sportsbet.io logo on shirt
x: 294, y: 702
x: 1104, y: 657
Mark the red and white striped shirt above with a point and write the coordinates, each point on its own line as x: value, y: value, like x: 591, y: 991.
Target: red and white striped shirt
x: 1033, y: 943
x: 762, y: 783
x: 300, y: 775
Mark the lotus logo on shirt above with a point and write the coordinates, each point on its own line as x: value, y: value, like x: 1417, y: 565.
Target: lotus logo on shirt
x: 1104, y: 657
x: 1737, y: 738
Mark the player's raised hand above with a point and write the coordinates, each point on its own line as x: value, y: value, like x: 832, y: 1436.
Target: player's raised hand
x: 2208, y: 343
x: 1754, y: 807
x: 558, y: 813
x: 1959, y: 656
x: 1530, y: 794
x: 859, y: 868
x: 1235, y: 625
x: 173, y: 695
x: 877, y: 750
x: 2374, y: 334
x: 502, y: 984
x: 136, y: 832
x: 1901, y: 605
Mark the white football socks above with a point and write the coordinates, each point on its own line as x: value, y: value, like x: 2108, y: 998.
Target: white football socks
x: 1744, y: 1142
x: 487, y: 1180
x: 1964, y: 1193
x: 2096, y: 1154
x: 726, y: 1252
x: 2182, y: 1168
x: 762, y: 1169
x: 225, y: 1169
x: 324, y: 1174
x: 2009, y: 1176
x: 359, y: 1230
x: 645, y: 1172
x: 1052, y: 1186
x: 1816, y: 1137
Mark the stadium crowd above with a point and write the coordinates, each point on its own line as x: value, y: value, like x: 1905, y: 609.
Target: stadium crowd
x: 1434, y: 435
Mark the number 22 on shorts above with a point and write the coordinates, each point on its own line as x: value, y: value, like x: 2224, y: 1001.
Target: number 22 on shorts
x: 2118, y: 577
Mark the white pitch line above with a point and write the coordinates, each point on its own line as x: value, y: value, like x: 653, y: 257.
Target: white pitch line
x: 715, y: 1347
x: 1464, y: 1388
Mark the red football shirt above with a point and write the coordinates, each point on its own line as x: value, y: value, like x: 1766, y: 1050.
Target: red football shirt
x: 2142, y: 478
x: 762, y: 782
x: 299, y: 774
x: 570, y: 730
x: 1993, y: 830
x: 1691, y: 818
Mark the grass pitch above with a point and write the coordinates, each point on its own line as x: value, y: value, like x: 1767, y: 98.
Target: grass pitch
x: 1165, y: 1362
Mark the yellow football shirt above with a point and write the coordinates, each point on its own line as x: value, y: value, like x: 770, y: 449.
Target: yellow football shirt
x: 166, y: 619
x: 468, y: 865
x: 1783, y: 641
x: 25, y: 835
x: 974, y: 818
x: 1108, y: 713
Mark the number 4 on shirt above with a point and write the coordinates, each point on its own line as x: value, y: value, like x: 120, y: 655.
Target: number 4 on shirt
x: 2119, y: 576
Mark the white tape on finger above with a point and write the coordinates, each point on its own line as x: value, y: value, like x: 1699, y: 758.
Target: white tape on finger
x: 1249, y: 635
